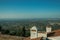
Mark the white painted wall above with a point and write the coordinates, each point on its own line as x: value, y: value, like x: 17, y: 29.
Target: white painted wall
x: 42, y: 35
x: 48, y: 29
x: 54, y: 38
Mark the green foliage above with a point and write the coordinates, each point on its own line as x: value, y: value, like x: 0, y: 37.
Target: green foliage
x: 27, y: 33
x: 23, y: 31
x: 5, y: 31
x: 0, y: 28
x: 12, y: 33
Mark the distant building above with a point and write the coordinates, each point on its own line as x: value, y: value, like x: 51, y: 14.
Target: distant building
x: 49, y: 34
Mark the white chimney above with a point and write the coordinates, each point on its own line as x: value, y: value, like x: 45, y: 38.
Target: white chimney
x: 48, y: 28
x: 33, y: 32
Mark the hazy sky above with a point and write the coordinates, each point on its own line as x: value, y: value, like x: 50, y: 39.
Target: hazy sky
x: 29, y: 9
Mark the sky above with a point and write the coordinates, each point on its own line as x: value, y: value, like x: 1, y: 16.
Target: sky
x: 29, y: 9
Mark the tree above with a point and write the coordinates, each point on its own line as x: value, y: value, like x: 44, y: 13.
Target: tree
x: 12, y: 33
x: 5, y: 31
x: 23, y: 31
x: 0, y: 28
x: 27, y: 33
